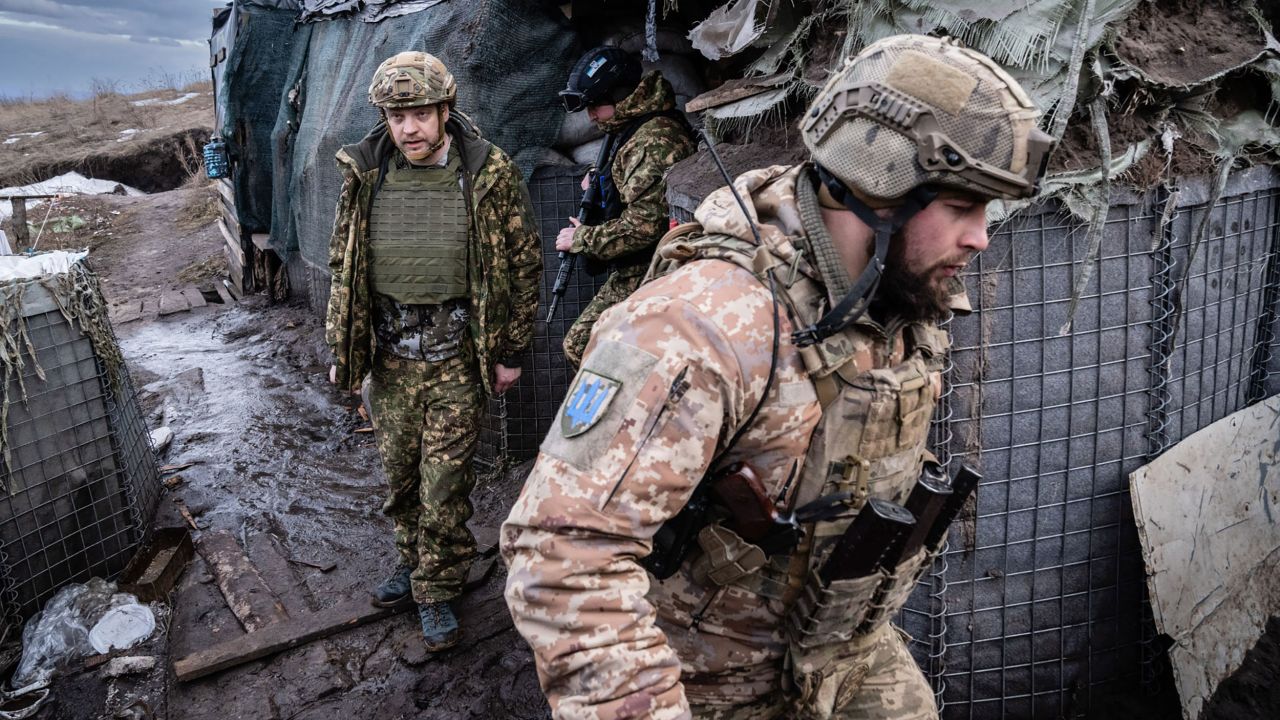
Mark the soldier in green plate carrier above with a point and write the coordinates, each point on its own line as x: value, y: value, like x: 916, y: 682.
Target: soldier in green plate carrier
x: 435, y: 262
x: 795, y: 334
x: 645, y: 136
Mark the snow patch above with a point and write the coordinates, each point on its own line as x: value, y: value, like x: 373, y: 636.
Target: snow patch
x: 158, y: 101
x: 18, y: 136
x: 127, y: 134
x: 72, y: 183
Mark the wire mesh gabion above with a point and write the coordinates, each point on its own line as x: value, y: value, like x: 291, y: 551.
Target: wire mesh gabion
x: 81, y: 481
x: 532, y: 404
x: 1038, y: 608
x: 1042, y: 608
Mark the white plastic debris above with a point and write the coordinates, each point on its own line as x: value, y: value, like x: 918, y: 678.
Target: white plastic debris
x: 161, y: 437
x: 60, y: 635
x: 122, y: 627
x: 23, y: 267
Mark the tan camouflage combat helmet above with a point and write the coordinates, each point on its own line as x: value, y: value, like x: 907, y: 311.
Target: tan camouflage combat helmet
x: 411, y: 79
x: 913, y: 110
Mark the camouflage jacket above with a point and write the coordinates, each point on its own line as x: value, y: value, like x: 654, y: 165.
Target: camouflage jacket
x: 670, y: 375
x: 505, y: 253
x: 639, y: 170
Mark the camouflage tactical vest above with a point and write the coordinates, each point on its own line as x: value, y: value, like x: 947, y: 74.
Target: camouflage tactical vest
x: 877, y: 387
x: 418, y: 235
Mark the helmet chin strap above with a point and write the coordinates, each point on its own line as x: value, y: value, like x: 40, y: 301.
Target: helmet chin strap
x: 855, y: 302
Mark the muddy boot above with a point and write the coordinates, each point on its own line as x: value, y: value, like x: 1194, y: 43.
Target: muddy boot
x: 439, y: 626
x: 395, y: 589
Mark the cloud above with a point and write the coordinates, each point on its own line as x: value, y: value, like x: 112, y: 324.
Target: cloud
x: 172, y: 20
x: 41, y: 60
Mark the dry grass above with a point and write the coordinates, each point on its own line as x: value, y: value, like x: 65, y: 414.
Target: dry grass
x: 214, y: 266
x: 203, y: 207
x: 73, y: 129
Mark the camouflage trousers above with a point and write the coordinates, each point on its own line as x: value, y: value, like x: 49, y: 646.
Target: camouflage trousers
x: 892, y: 688
x: 427, y: 419
x: 616, y: 288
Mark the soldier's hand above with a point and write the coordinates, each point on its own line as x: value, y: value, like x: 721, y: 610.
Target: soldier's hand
x: 506, y: 377
x: 333, y: 374
x: 564, y: 240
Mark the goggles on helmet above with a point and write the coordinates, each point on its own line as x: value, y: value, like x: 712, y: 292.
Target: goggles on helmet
x: 574, y: 100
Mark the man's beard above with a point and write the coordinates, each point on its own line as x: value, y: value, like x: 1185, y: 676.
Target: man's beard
x: 916, y: 297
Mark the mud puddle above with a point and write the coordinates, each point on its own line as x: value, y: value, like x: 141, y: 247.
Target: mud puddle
x: 278, y: 464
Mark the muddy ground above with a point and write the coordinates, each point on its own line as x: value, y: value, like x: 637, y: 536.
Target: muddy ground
x: 278, y: 464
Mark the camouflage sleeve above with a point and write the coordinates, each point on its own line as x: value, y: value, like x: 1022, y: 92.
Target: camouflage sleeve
x: 524, y: 253
x: 662, y: 385
x: 639, y: 169
x: 339, y: 283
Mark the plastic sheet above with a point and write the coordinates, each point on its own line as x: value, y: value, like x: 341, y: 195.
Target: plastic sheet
x: 61, y: 633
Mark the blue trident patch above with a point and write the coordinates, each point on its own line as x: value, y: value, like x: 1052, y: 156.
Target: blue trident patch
x: 587, y: 401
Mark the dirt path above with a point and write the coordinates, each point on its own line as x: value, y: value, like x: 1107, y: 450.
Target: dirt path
x: 279, y: 466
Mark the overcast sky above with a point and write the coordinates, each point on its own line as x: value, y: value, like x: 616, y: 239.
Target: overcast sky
x: 50, y: 46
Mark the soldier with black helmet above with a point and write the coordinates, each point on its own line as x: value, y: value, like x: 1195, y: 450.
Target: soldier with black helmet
x: 646, y: 135
x: 435, y: 259
x: 792, y: 329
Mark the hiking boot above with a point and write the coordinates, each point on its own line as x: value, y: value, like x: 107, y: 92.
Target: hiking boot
x: 440, y: 629
x: 395, y: 589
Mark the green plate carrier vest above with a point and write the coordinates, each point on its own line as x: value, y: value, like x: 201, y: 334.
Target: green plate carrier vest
x: 418, y: 235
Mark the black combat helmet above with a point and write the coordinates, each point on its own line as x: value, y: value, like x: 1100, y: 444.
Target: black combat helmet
x: 602, y: 76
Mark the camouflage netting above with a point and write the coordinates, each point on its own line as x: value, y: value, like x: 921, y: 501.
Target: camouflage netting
x: 325, y: 106
x: 1174, y: 87
x: 78, y: 297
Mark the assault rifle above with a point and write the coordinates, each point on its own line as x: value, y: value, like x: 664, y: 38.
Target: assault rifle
x: 590, y: 197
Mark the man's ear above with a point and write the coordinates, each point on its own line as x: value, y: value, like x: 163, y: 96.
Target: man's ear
x: 444, y: 114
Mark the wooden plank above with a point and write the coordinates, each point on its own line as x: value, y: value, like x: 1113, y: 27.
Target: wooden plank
x: 233, y: 243
x: 247, y: 594
x: 227, y: 299
x: 281, y: 636
x: 236, y: 291
x: 227, y: 192
x: 233, y: 224
x: 172, y: 301
x: 21, y: 234
x: 193, y: 296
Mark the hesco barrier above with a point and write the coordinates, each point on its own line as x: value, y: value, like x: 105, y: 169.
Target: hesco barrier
x: 79, y: 475
x: 1038, y: 610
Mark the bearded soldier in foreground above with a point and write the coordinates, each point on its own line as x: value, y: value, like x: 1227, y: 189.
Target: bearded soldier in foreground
x: 435, y: 259
x: 746, y: 425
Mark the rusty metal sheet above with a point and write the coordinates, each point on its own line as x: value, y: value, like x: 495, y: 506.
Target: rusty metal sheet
x: 1207, y: 512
